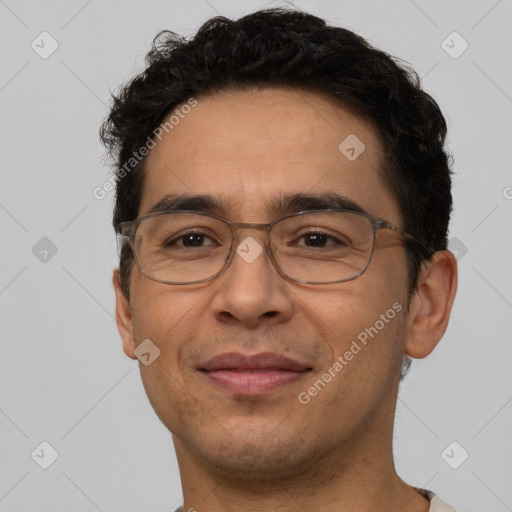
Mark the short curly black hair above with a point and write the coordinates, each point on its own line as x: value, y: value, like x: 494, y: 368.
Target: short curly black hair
x: 291, y: 48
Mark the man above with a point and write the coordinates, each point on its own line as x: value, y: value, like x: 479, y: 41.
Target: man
x: 283, y: 199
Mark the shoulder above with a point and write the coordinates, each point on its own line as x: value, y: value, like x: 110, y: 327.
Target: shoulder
x: 436, y: 504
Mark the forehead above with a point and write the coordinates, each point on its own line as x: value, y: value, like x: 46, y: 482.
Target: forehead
x: 247, y: 148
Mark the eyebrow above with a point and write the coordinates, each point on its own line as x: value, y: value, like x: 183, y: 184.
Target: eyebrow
x: 282, y: 204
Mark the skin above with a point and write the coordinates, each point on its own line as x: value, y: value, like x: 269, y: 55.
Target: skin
x: 271, y: 452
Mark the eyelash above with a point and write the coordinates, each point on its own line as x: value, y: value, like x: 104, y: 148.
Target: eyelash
x: 182, y: 236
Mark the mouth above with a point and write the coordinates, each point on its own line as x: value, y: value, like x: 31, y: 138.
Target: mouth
x: 253, y: 375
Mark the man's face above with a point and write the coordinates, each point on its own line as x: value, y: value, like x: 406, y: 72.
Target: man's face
x: 247, y: 148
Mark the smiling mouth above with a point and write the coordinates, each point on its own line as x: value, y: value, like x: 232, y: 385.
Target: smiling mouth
x: 253, y: 375
x: 253, y: 382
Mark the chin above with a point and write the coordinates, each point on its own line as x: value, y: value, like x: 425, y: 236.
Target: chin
x: 261, y: 453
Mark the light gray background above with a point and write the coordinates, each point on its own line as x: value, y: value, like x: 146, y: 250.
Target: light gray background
x: 63, y: 376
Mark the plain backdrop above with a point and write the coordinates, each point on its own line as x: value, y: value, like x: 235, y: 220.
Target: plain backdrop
x: 64, y: 378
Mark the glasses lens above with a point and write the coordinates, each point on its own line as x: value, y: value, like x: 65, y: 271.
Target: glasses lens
x: 315, y: 247
x: 182, y: 247
x: 322, y: 247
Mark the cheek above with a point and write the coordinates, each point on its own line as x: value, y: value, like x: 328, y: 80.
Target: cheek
x: 367, y: 354
x: 366, y: 320
x: 359, y: 379
x: 168, y: 318
x: 164, y: 313
x: 364, y: 325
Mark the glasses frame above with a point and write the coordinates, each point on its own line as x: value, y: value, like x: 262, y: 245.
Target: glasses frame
x: 128, y: 230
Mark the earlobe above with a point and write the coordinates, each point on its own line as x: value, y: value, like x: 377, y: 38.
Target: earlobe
x: 431, y: 304
x: 123, y: 316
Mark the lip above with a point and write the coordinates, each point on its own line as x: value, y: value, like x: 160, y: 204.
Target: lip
x: 251, y: 375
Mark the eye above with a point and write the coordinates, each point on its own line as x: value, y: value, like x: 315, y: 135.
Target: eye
x: 316, y: 239
x: 321, y: 239
x: 191, y: 239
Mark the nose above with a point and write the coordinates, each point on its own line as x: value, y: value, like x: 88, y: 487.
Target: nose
x: 250, y: 291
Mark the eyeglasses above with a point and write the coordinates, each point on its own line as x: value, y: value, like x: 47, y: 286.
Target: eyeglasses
x: 311, y: 247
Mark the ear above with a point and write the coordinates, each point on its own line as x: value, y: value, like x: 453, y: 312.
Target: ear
x: 431, y: 304
x: 123, y: 316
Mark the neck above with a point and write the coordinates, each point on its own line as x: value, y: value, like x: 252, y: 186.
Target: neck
x: 358, y: 477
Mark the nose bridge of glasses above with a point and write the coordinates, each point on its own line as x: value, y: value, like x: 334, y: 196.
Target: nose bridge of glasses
x: 235, y: 226
x: 246, y: 243
x: 242, y: 226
